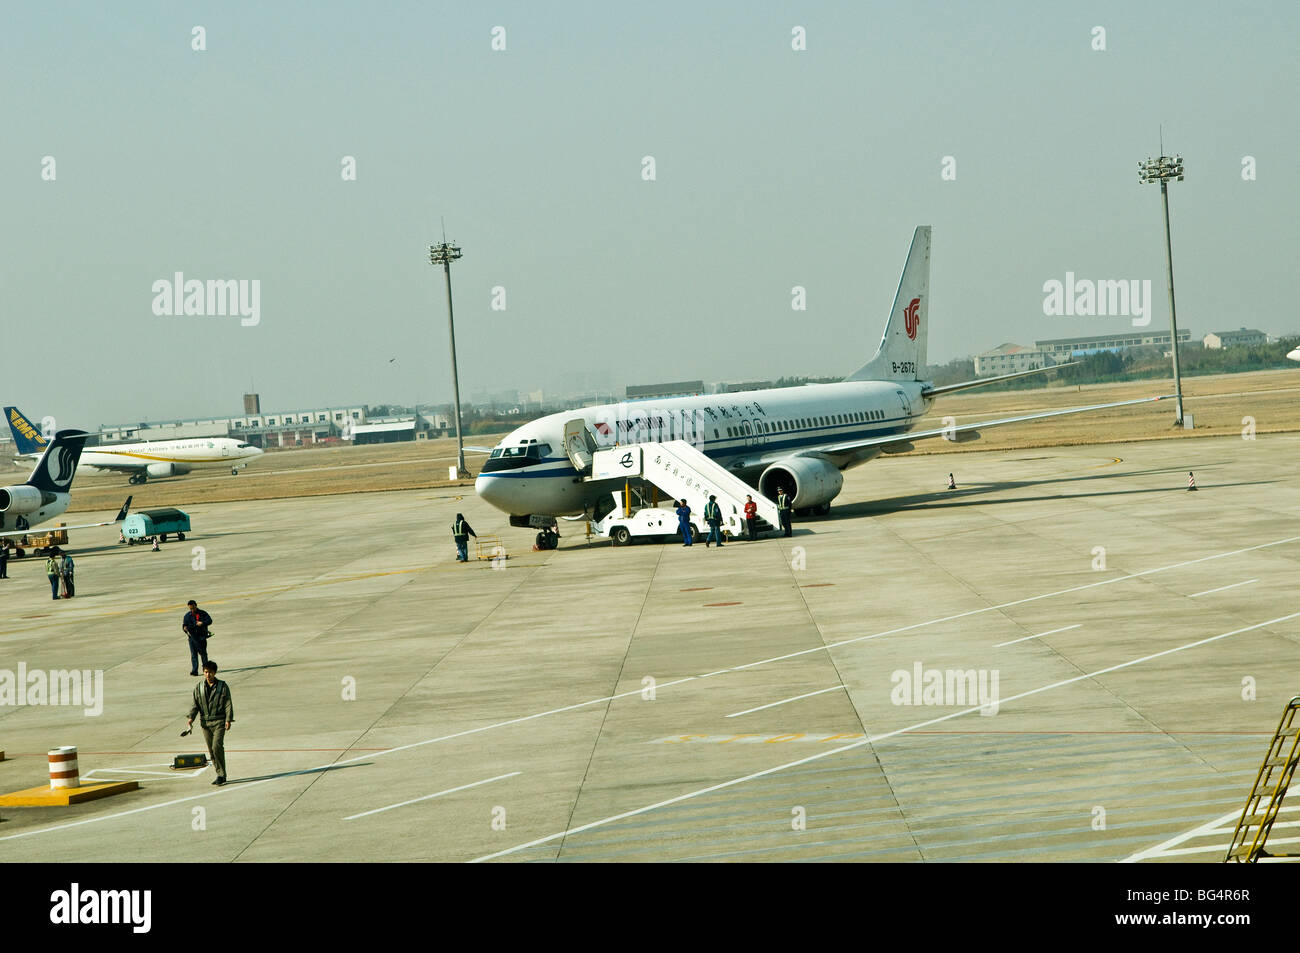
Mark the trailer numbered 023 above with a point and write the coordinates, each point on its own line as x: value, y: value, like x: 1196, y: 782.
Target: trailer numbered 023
x: 161, y: 523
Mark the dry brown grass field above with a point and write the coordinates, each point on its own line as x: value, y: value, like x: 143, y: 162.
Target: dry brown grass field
x: 1219, y: 404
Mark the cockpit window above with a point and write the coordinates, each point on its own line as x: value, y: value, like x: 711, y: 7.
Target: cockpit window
x: 539, y: 450
x: 495, y: 453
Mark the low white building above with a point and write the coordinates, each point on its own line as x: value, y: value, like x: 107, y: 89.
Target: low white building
x: 1011, y: 359
x: 1244, y: 337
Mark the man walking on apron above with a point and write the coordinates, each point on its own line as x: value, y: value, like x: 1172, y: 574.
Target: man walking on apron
x: 461, y: 531
x: 217, y: 712
x: 784, y: 508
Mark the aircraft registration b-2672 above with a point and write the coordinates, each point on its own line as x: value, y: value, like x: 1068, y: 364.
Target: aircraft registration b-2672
x: 796, y: 439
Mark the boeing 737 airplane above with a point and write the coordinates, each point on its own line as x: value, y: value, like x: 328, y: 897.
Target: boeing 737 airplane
x: 799, y: 439
x: 160, y: 458
x: 48, y: 490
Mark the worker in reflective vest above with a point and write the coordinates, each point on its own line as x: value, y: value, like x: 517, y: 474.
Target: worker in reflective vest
x: 784, y: 508
x: 461, y: 531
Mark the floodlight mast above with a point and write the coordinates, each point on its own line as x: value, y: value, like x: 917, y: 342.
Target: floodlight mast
x: 444, y: 255
x: 1162, y: 170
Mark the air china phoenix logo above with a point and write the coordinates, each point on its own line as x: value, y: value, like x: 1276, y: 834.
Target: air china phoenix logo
x: 911, y: 319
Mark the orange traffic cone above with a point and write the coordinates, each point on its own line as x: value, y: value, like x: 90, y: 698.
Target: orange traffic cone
x: 1191, y: 480
x: 952, y: 484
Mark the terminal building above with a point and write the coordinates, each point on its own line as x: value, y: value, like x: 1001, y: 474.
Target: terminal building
x: 309, y: 425
x: 1244, y: 337
x: 1062, y: 349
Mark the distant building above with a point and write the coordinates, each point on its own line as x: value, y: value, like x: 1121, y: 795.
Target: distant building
x: 252, y: 403
x: 1244, y: 337
x: 677, y: 389
x: 1062, y: 349
x: 262, y: 430
x: 399, y: 429
x: 1011, y: 359
x: 745, y: 385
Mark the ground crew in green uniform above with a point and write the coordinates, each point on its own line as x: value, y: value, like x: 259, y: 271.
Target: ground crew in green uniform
x: 52, y: 568
x: 713, y: 516
x: 212, y: 703
x: 461, y: 531
x: 784, y: 508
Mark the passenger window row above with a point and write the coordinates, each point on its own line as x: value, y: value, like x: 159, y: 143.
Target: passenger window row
x: 806, y: 423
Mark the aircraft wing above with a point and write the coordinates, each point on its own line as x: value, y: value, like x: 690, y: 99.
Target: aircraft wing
x: 900, y: 439
x: 478, y: 449
x: 39, y: 529
x: 115, y: 467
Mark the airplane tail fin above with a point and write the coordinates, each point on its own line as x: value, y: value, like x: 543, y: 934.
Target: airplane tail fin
x: 27, y: 436
x: 58, y: 464
x: 901, y: 355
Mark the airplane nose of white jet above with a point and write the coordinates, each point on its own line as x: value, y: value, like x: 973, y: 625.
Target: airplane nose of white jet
x: 493, y: 490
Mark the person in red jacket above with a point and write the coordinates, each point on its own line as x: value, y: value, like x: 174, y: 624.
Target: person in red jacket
x: 751, y: 516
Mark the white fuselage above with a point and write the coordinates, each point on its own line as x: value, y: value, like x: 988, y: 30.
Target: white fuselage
x: 530, y: 473
x: 192, y: 454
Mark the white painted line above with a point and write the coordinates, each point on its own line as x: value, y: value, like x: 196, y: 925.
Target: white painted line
x: 823, y: 691
x: 1222, y: 848
x: 1039, y: 635
x: 1019, y: 602
x: 159, y: 774
x: 1221, y: 588
x: 689, y: 678
x: 875, y: 738
x: 721, y: 671
x: 1205, y: 830
x: 417, y: 800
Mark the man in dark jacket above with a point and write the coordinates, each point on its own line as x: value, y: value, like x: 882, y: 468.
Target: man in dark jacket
x: 216, y: 714
x: 713, y: 516
x: 461, y: 531
x: 196, y: 624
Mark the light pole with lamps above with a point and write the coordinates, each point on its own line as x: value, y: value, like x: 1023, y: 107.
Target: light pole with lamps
x: 444, y: 255
x: 1162, y: 170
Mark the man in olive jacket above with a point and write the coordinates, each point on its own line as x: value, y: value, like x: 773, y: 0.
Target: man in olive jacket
x: 212, y: 702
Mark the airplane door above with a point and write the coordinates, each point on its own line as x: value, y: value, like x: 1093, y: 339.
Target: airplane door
x: 748, y: 431
x: 225, y: 449
x: 579, y: 444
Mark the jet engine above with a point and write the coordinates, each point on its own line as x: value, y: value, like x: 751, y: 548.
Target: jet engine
x: 23, y: 499
x: 167, y: 469
x: 814, y: 482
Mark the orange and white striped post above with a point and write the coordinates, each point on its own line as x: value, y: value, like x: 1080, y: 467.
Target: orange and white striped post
x: 1191, y: 480
x: 63, y: 767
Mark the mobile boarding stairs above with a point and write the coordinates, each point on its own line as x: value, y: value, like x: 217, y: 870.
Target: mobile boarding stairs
x: 674, y: 467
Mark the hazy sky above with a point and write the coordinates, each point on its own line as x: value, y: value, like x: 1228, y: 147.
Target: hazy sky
x: 774, y: 168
